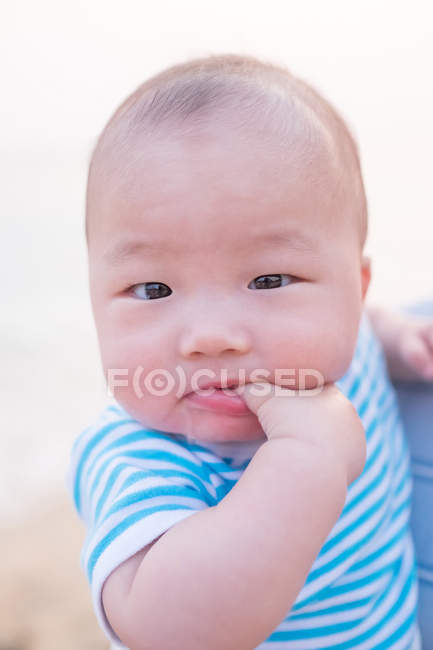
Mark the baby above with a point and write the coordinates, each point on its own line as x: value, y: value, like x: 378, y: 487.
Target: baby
x: 273, y: 515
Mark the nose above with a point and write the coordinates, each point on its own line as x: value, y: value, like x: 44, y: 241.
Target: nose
x: 213, y: 339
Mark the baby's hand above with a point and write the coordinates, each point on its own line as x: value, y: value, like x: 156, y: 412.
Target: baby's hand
x: 326, y: 419
x: 413, y: 354
x: 408, y: 344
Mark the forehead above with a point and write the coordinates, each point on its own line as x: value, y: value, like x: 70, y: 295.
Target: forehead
x: 215, y: 184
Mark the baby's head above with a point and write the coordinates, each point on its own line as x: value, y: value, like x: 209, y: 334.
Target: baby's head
x: 226, y: 220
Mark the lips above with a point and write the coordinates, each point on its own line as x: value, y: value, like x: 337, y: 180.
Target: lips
x: 218, y: 401
x: 206, y: 385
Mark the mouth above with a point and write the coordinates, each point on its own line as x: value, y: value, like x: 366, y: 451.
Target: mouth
x: 229, y: 386
x: 214, y: 397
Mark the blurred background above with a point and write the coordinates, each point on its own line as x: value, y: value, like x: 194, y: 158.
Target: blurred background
x: 64, y: 68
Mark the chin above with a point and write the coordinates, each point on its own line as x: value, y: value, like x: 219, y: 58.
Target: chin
x: 214, y: 436
x: 225, y: 428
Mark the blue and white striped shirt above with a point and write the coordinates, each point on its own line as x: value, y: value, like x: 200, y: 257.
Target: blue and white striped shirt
x: 131, y: 484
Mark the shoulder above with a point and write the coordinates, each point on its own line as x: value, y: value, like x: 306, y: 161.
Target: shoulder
x: 114, y: 445
x: 130, y: 485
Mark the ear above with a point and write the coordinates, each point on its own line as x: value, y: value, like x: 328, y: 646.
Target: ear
x: 365, y: 275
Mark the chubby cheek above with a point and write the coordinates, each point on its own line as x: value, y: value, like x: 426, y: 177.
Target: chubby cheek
x: 150, y: 410
x: 339, y: 350
x: 136, y: 373
x: 324, y: 344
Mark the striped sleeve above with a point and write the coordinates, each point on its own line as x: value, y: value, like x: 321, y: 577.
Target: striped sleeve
x: 129, y: 486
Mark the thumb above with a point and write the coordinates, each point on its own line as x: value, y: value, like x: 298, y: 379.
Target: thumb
x: 272, y: 413
x: 257, y: 393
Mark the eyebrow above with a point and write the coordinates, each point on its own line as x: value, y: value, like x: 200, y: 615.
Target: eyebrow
x: 132, y: 248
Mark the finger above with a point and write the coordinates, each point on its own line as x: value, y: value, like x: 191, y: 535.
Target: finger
x: 427, y: 333
x: 255, y: 394
x: 416, y: 353
x: 428, y: 338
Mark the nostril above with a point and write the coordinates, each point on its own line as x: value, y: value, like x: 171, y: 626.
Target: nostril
x: 212, y: 345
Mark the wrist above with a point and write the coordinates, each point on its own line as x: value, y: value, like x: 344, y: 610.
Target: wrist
x: 311, y: 456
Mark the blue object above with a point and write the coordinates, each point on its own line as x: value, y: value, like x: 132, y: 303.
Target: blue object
x: 416, y: 405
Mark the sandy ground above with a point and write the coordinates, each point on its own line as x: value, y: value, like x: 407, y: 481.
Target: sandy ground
x: 44, y: 598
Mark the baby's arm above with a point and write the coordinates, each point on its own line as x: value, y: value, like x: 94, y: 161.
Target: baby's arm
x: 407, y: 341
x: 226, y: 576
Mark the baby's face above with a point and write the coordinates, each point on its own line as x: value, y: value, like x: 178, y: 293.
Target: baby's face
x: 218, y: 256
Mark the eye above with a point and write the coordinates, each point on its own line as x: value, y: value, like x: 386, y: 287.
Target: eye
x: 150, y: 290
x: 271, y: 281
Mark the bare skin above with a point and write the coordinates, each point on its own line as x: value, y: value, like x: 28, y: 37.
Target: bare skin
x: 407, y: 342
